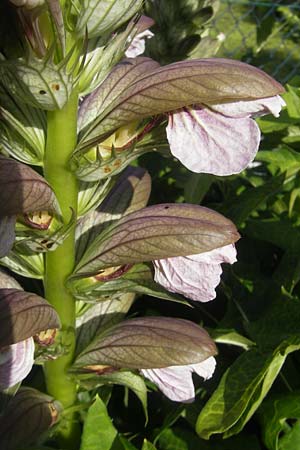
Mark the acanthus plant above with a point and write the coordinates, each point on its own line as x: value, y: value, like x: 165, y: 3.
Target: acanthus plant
x: 78, y: 112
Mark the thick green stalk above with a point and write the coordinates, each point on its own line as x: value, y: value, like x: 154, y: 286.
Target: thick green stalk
x: 61, y: 140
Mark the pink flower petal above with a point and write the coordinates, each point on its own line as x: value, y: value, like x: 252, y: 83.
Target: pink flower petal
x: 138, y: 44
x: 16, y: 362
x: 251, y: 108
x: 208, y: 142
x: 195, y: 276
x: 176, y: 382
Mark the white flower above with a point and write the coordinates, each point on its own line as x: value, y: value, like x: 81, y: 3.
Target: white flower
x: 138, y: 44
x: 16, y: 362
x: 194, y: 276
x: 176, y: 382
x: 220, y: 139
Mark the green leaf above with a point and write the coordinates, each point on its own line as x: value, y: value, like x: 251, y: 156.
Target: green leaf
x: 291, y: 440
x: 274, y: 414
x: 182, y: 439
x: 280, y: 322
x: 197, y: 186
x: 121, y: 443
x: 241, y: 391
x: 157, y: 232
x: 148, y: 445
x: 239, y: 208
x: 98, y: 430
x: 28, y: 415
x: 104, y: 16
x: 123, y: 378
x: 292, y: 99
x: 147, y: 343
x: 283, y: 158
x: 281, y: 232
x: 231, y: 337
x: 171, y: 87
x: 23, y: 315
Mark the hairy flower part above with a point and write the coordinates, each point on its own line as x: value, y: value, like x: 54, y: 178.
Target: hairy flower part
x: 194, y: 276
x: 16, y: 362
x: 176, y: 382
x: 219, y: 139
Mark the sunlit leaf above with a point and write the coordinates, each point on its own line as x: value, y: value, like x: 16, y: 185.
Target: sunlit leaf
x: 241, y: 390
x: 98, y: 431
x: 149, y: 342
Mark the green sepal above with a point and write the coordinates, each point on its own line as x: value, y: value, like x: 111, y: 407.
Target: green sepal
x: 99, y: 17
x: 37, y: 82
x: 30, y: 266
x: 92, y: 194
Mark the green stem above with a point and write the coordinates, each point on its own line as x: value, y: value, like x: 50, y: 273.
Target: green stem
x: 61, y: 140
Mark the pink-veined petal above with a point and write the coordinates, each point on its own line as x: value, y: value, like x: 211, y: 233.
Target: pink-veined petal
x: 209, y: 142
x: 251, y: 108
x: 195, y: 276
x: 176, y: 382
x: 138, y: 44
x: 16, y: 362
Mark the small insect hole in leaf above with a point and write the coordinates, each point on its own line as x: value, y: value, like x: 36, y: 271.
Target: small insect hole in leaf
x: 42, y: 92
